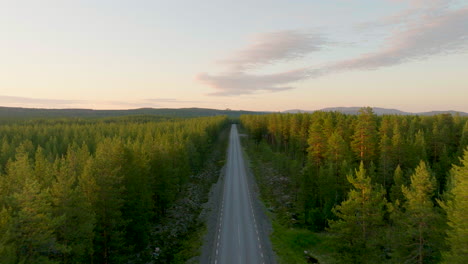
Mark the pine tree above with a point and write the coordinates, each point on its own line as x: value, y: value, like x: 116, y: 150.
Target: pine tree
x: 386, y: 160
x: 421, y: 223
x: 317, y: 143
x: 7, y: 243
x: 364, y: 142
x: 75, y: 232
x: 17, y: 171
x: 361, y: 219
x: 464, y: 138
x: 102, y: 185
x: 398, y: 146
x: 337, y: 149
x: 34, y: 225
x: 396, y: 193
x: 419, y: 147
x: 457, y: 214
x: 138, y: 206
x: 42, y: 168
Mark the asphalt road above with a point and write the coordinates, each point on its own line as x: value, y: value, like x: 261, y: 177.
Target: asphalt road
x: 238, y: 239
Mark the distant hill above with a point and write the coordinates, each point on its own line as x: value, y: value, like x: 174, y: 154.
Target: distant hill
x: 377, y: 110
x: 18, y: 112
x: 26, y: 113
x: 443, y: 112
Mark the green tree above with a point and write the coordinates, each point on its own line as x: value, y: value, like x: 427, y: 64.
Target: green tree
x: 364, y: 142
x: 34, y: 225
x: 17, y: 171
x: 419, y: 147
x: 75, y: 232
x: 138, y: 207
x: 102, y: 185
x: 464, y: 137
x: 456, y: 207
x: 317, y: 143
x: 398, y: 146
x: 337, y: 149
x: 396, y: 193
x: 7, y: 243
x: 386, y: 160
x: 421, y: 224
x: 361, y: 219
x: 42, y: 168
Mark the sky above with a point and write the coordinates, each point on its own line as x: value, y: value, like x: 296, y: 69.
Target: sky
x: 269, y: 55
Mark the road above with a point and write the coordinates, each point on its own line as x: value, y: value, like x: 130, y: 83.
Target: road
x: 238, y: 239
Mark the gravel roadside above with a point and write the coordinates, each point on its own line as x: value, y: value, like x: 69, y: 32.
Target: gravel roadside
x: 210, y: 214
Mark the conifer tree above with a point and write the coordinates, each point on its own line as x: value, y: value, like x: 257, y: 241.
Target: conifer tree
x: 42, y: 168
x: 337, y: 149
x: 386, y: 160
x: 17, y: 171
x: 398, y: 146
x: 101, y: 183
x: 364, y: 142
x: 7, y: 243
x: 138, y: 207
x: 396, y: 193
x: 419, y: 147
x: 361, y: 219
x: 34, y: 225
x: 421, y: 223
x: 317, y: 143
x: 75, y: 232
x: 463, y: 139
x: 456, y: 207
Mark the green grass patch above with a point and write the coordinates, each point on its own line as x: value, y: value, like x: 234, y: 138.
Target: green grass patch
x: 290, y: 244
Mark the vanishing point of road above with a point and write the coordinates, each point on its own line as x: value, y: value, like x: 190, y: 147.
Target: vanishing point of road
x: 238, y: 239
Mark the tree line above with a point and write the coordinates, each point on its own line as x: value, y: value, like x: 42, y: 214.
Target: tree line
x: 387, y: 189
x: 91, y: 191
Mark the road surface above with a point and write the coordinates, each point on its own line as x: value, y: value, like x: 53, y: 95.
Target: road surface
x: 237, y: 236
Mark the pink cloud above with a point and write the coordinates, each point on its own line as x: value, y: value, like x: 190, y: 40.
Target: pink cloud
x: 430, y: 32
x: 272, y: 47
x: 443, y: 34
x: 237, y: 83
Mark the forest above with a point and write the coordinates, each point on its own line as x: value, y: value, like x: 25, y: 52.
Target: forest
x: 106, y: 190
x: 380, y: 189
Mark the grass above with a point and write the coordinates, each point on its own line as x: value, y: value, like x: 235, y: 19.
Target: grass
x: 290, y: 244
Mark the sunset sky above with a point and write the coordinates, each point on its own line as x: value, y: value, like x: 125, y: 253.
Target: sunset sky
x: 252, y: 55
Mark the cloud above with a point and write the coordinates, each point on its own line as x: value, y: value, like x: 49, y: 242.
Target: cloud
x: 266, y: 49
x: 443, y: 34
x: 273, y: 47
x: 238, y: 83
x: 16, y: 101
x: 417, y: 10
x: 169, y: 100
x: 36, y: 102
x: 426, y: 29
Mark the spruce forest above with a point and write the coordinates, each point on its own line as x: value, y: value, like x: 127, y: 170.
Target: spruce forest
x: 103, y: 190
x: 368, y: 188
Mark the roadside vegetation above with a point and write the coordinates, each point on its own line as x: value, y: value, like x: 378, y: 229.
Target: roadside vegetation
x: 362, y: 189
